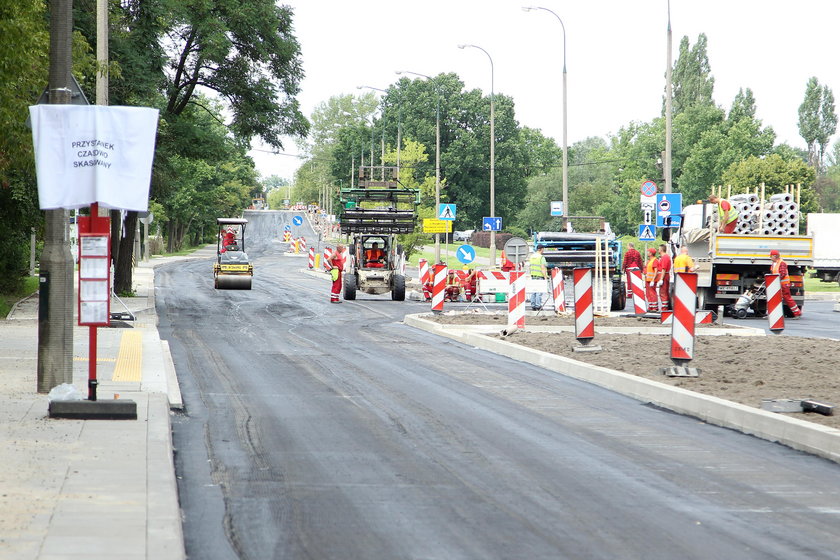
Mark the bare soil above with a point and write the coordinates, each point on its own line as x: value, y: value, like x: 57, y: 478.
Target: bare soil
x: 742, y: 369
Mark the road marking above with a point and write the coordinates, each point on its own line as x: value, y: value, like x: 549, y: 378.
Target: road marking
x: 130, y: 357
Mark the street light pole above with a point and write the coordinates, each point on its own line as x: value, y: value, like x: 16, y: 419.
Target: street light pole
x: 492, y: 154
x: 668, y: 108
x: 565, y: 113
x: 437, y: 154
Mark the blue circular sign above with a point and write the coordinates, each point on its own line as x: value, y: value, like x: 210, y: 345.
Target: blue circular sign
x: 648, y: 188
x: 287, y: 227
x: 297, y: 220
x: 465, y: 254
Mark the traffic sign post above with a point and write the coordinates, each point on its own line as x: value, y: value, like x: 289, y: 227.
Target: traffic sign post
x: 436, y: 226
x: 668, y: 210
x: 492, y: 223
x: 446, y: 212
x: 465, y: 254
x: 516, y: 250
x: 648, y: 189
x: 557, y: 208
x: 647, y: 232
x: 297, y: 220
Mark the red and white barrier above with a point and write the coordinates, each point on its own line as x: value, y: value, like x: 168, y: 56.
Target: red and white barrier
x: 685, y: 306
x: 700, y: 317
x: 438, y: 287
x: 424, y: 271
x: 312, y: 257
x: 327, y: 255
x: 558, y: 290
x: 493, y: 282
x: 302, y: 243
x: 637, y: 288
x: 516, y: 300
x: 287, y: 236
x: 584, y: 315
x: 775, y: 311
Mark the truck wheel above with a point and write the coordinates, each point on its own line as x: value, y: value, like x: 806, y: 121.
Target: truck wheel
x: 619, y: 298
x: 350, y: 287
x: 398, y: 288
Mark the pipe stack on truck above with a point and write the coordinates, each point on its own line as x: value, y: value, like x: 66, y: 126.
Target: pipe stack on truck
x: 825, y: 229
x: 732, y: 265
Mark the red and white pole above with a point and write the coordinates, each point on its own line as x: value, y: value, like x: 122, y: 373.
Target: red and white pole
x: 637, y: 287
x: 775, y: 311
x: 327, y: 255
x: 303, y: 244
x: 516, y: 300
x: 424, y: 271
x: 685, y: 306
x: 312, y: 257
x: 558, y: 290
x: 439, y: 287
x: 584, y: 315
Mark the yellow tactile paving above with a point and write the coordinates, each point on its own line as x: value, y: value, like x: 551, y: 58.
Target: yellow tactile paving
x: 130, y: 357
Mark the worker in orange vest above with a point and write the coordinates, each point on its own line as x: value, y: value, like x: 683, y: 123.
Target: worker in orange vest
x: 651, y: 268
x: 779, y: 266
x: 663, y: 278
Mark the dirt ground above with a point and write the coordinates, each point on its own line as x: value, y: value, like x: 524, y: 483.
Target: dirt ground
x: 739, y: 369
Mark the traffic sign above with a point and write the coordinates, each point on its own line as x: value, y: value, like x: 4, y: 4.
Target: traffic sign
x: 431, y: 225
x: 446, y: 212
x: 297, y: 220
x: 516, y: 250
x: 556, y: 207
x: 668, y: 209
x: 492, y: 223
x: 648, y: 216
x: 465, y: 254
x: 647, y: 202
x: 287, y: 227
x: 647, y: 232
x: 648, y: 188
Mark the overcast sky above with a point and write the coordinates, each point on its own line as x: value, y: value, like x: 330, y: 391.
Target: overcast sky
x: 616, y: 55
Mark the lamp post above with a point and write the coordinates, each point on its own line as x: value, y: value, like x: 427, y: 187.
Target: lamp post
x: 437, y: 154
x: 492, y: 154
x: 565, y: 120
x: 668, y: 107
x: 382, y: 158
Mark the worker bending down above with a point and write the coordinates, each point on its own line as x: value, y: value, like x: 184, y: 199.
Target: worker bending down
x: 779, y: 266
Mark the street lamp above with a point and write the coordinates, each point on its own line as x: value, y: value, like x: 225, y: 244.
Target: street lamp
x: 565, y: 120
x: 382, y: 159
x: 492, y: 155
x: 437, y: 154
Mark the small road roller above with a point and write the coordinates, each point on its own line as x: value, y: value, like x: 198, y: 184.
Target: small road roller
x: 232, y: 269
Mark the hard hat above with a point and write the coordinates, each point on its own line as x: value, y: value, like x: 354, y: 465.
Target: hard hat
x: 652, y: 251
x: 774, y: 252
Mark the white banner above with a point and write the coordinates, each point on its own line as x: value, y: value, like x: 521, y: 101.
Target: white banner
x: 93, y: 153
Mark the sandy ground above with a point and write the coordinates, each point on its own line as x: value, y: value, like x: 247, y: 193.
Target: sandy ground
x: 739, y: 369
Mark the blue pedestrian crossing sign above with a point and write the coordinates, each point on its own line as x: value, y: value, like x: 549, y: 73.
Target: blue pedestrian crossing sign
x: 465, y: 254
x: 492, y: 223
x: 297, y: 220
x: 446, y: 212
x: 647, y: 232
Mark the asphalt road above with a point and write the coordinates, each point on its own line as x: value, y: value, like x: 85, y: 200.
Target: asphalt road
x: 324, y: 431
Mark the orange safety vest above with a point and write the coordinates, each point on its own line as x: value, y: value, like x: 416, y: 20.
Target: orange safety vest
x: 776, y: 267
x: 374, y: 254
x: 650, y: 270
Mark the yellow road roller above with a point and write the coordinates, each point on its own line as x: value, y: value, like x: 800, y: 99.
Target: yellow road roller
x: 232, y: 269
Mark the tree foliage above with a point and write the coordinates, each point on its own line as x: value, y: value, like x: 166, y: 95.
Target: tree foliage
x: 817, y: 121
x: 693, y: 83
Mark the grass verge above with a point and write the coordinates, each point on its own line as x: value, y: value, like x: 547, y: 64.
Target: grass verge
x: 30, y: 286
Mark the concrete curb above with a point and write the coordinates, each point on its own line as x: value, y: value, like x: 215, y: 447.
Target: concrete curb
x: 797, y: 434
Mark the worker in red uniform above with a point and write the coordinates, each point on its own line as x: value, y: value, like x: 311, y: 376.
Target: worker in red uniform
x: 779, y: 266
x: 663, y: 278
x: 651, y: 269
x: 632, y: 259
x: 229, y: 238
x: 336, y: 262
x: 727, y: 214
x: 471, y: 285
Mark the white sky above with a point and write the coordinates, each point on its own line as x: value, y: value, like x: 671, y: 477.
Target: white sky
x: 616, y: 56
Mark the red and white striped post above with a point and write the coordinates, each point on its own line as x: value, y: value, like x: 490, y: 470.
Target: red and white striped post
x: 516, y: 300
x: 775, y: 311
x: 637, y: 287
x: 424, y: 271
x: 312, y: 257
x: 303, y: 244
x: 584, y: 315
x: 327, y: 255
x: 438, y: 287
x: 558, y: 290
x: 682, y: 325
x: 287, y: 236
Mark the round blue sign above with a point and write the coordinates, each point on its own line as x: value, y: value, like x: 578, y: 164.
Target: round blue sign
x: 297, y: 220
x: 465, y: 254
x: 648, y: 188
x: 287, y: 227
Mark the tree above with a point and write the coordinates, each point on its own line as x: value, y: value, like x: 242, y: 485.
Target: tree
x: 743, y: 106
x: 817, y: 121
x: 774, y: 172
x: 693, y: 84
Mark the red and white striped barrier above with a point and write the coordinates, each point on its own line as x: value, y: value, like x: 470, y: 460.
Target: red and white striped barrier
x: 302, y: 243
x: 312, y: 257
x: 424, y: 271
x: 685, y: 306
x: 327, y: 255
x: 516, y: 300
x: 584, y: 315
x: 637, y: 288
x: 700, y: 317
x: 287, y: 236
x: 438, y: 287
x: 492, y: 282
x: 558, y: 290
x: 775, y: 311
